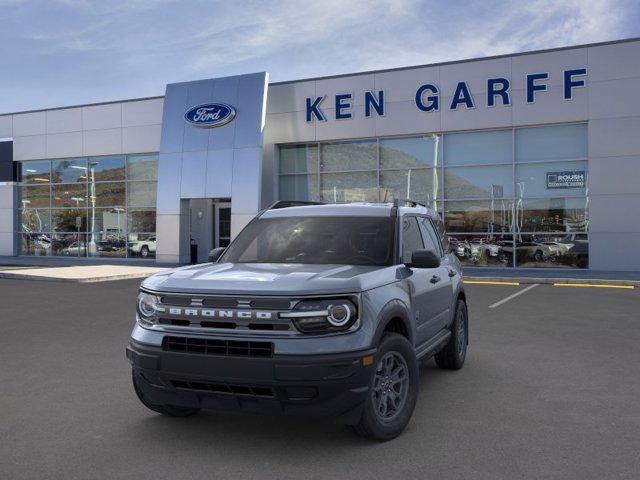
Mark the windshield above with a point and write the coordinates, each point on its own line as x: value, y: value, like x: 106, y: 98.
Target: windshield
x: 318, y: 240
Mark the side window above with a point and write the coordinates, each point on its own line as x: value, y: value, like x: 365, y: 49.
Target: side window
x: 444, y: 239
x: 431, y: 242
x: 411, y: 238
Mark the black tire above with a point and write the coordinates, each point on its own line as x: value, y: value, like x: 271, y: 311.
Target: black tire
x: 169, y: 410
x: 379, y: 426
x: 144, y: 251
x: 452, y: 356
x: 538, y: 256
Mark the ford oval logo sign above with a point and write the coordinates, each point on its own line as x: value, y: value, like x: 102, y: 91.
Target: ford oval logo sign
x: 210, y: 115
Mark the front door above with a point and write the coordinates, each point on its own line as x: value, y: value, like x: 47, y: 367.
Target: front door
x: 443, y: 287
x: 222, y: 234
x: 429, y: 287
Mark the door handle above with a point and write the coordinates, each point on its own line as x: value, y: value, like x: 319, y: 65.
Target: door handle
x: 452, y: 273
x: 435, y: 279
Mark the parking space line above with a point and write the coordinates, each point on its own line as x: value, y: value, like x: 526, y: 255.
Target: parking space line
x: 594, y: 285
x: 479, y: 282
x: 511, y: 297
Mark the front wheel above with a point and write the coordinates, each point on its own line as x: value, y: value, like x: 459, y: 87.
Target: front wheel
x: 452, y: 356
x: 169, y: 410
x: 144, y: 251
x: 393, y: 390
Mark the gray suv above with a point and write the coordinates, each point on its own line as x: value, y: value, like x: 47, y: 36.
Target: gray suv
x: 315, y: 311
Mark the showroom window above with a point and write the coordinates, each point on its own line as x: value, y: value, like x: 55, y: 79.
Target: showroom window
x: 95, y: 206
x: 510, y: 197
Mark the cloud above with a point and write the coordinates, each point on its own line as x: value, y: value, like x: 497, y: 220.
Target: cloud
x: 289, y: 25
x: 362, y: 35
x: 496, y: 28
x: 90, y: 50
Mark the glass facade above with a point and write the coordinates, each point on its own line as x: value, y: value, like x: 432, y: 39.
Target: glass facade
x: 95, y: 206
x: 511, y: 197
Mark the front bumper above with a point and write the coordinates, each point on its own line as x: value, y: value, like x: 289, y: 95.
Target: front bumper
x: 308, y: 386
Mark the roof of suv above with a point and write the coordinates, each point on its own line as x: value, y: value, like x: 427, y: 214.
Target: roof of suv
x: 357, y: 209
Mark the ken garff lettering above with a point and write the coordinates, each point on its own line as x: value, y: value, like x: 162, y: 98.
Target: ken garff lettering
x: 427, y: 96
x: 210, y: 115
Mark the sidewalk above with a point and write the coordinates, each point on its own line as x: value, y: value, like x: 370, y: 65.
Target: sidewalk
x: 551, y: 276
x: 79, y: 273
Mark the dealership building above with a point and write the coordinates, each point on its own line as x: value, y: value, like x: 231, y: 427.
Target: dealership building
x: 532, y: 159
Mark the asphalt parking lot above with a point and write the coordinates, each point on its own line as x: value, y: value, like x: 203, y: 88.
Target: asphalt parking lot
x: 551, y: 389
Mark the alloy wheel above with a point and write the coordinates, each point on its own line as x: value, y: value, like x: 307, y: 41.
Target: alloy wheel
x: 391, y: 386
x: 461, y: 334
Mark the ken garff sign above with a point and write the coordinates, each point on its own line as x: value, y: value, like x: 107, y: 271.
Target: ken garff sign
x: 568, y: 179
x: 210, y: 115
x: 427, y: 96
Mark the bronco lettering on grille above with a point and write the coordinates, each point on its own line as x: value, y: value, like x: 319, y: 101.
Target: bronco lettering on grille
x: 217, y: 313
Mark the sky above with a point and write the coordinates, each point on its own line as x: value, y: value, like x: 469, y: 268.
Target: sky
x: 69, y: 52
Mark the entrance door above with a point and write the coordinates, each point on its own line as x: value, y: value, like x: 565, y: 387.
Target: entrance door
x: 222, y: 213
x: 201, y: 227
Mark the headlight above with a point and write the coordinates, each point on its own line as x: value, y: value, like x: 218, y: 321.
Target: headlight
x: 323, y: 315
x: 340, y: 314
x: 146, y: 308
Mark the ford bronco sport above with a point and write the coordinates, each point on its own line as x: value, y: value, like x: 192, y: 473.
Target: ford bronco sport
x: 317, y: 311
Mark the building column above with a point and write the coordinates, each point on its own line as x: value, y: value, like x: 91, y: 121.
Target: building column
x: 8, y: 210
x: 172, y: 236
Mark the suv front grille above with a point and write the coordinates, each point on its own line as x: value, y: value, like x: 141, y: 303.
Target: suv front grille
x: 208, y: 346
x: 240, y: 314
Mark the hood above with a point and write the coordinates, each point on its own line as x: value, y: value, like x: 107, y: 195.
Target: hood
x: 270, y: 279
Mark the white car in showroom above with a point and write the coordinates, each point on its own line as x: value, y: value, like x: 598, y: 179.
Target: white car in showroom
x: 143, y: 247
x: 481, y: 245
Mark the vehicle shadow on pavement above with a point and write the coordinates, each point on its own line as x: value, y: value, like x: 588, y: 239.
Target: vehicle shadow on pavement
x: 240, y: 431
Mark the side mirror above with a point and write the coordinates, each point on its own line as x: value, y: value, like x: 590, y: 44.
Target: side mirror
x: 215, y: 254
x: 424, y: 259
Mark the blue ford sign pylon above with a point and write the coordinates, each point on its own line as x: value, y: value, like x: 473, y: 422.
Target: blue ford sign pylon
x: 210, y: 115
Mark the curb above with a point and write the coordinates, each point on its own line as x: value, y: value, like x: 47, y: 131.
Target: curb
x: 18, y: 276
x: 552, y: 281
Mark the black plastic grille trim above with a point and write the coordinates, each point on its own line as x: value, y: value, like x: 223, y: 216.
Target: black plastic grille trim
x: 253, y: 391
x: 176, y: 301
x: 271, y: 303
x: 208, y: 346
x: 220, y: 302
x: 232, y: 325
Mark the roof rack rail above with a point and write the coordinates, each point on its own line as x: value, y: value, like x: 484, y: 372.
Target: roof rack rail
x: 292, y: 203
x: 404, y: 202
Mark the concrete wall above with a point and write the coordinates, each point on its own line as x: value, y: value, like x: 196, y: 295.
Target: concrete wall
x: 106, y: 129
x: 610, y: 104
x: 614, y: 156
